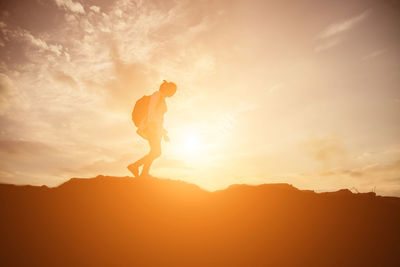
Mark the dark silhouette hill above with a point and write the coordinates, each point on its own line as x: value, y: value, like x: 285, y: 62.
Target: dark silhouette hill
x: 158, y: 222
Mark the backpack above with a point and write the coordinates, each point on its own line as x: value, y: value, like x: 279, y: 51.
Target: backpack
x: 140, y: 110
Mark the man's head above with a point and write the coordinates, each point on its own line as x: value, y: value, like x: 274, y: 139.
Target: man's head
x: 167, y: 89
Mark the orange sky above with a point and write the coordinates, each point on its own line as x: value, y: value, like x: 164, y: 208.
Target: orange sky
x: 303, y: 92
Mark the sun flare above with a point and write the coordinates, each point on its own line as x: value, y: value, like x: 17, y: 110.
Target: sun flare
x: 191, y: 144
x: 188, y: 146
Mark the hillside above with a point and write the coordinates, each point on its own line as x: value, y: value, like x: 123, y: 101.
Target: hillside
x: 159, y: 222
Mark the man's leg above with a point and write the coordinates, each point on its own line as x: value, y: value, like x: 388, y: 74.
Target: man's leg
x: 155, y: 152
x: 134, y: 167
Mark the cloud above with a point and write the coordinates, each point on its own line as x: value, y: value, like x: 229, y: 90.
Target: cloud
x: 380, y: 169
x: 10, y: 97
x: 327, y: 44
x: 374, y: 54
x: 5, y: 175
x: 16, y: 46
x: 95, y: 9
x: 70, y: 5
x: 64, y: 78
x: 41, y: 44
x: 384, y: 168
x: 276, y: 87
x: 131, y: 79
x: 337, y: 28
x: 329, y: 36
x: 386, y: 172
x: 172, y: 164
x: 19, y: 147
x: 328, y: 150
x: 4, y: 29
x: 106, y: 165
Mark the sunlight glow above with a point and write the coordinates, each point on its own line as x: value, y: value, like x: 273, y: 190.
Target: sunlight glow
x: 191, y: 144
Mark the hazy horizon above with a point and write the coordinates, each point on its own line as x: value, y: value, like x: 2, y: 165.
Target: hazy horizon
x: 299, y: 92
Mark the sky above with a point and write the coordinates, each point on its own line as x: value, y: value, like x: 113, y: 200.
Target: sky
x: 300, y: 92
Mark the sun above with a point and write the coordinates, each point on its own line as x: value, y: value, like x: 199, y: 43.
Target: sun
x: 191, y: 143
x: 189, y: 146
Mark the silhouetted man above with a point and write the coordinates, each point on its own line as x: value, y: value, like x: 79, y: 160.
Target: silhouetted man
x: 151, y: 127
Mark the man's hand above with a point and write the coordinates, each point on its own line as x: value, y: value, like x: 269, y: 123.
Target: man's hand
x: 165, y: 134
x: 166, y: 138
